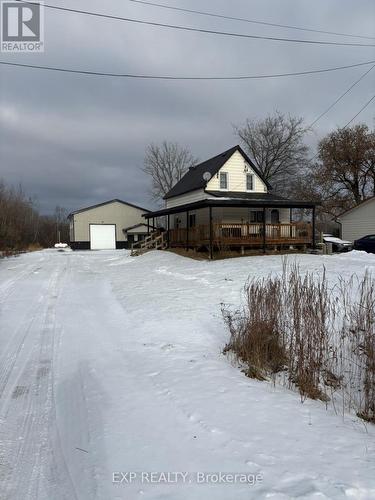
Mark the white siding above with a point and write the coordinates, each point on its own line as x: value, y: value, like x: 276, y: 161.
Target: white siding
x: 191, y: 197
x: 230, y: 215
x: 359, y: 221
x: 235, y: 167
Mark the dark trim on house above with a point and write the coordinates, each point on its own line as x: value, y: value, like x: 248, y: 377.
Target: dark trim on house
x: 85, y: 245
x: 265, y: 201
x: 107, y: 203
x: 80, y: 245
x: 120, y: 245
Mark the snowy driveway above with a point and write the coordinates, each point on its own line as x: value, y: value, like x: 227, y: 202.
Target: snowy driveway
x: 112, y: 364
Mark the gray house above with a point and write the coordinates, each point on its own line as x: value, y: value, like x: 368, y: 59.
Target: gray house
x: 106, y: 226
x: 359, y: 221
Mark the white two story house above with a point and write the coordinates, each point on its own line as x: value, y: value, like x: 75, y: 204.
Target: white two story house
x: 225, y: 201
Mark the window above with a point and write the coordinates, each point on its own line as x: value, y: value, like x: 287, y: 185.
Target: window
x: 249, y: 182
x: 256, y: 216
x: 223, y: 180
x: 192, y: 220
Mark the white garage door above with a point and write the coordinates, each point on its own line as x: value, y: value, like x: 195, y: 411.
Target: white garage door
x: 102, y: 236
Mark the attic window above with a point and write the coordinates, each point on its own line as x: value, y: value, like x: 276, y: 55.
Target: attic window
x: 223, y: 180
x: 249, y: 182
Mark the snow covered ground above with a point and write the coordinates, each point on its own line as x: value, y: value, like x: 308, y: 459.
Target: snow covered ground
x: 111, y: 364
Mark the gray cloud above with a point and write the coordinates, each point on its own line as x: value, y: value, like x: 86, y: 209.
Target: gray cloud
x: 75, y: 140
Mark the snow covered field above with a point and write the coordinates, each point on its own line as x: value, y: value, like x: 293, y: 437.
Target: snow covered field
x: 111, y: 364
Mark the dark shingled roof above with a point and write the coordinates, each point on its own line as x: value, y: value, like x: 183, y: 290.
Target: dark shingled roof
x: 193, y: 179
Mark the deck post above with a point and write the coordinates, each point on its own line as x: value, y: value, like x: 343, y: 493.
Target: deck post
x: 291, y: 221
x: 168, y: 229
x: 264, y: 229
x: 187, y: 230
x: 210, y: 221
x: 313, y: 228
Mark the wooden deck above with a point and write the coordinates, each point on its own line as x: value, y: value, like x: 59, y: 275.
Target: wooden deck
x: 242, y: 235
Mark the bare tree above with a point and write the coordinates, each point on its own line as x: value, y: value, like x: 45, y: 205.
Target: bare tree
x: 276, y: 146
x: 21, y: 225
x: 166, y: 164
x: 347, y: 164
x: 344, y: 173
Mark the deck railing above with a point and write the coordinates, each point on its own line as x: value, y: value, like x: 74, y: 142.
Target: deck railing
x: 242, y: 234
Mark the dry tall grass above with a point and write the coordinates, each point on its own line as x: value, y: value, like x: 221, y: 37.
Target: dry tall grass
x: 297, y: 330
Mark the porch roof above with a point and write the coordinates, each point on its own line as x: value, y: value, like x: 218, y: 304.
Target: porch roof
x: 239, y: 200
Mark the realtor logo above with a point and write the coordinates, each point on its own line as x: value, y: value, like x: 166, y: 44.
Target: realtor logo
x: 22, y: 26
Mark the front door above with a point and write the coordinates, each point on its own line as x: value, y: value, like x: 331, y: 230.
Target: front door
x: 275, y: 216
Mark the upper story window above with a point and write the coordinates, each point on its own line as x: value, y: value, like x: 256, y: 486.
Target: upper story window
x: 223, y: 180
x: 249, y: 182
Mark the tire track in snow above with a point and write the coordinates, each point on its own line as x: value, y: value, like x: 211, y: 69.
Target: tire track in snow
x: 10, y: 285
x: 30, y: 466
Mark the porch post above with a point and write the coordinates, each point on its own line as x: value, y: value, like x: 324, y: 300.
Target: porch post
x: 313, y: 228
x: 148, y: 226
x: 153, y: 223
x: 210, y: 219
x: 291, y: 221
x: 168, y: 228
x: 264, y: 229
x: 187, y: 230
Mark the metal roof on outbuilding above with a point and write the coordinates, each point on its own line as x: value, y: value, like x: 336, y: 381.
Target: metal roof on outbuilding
x: 107, y: 203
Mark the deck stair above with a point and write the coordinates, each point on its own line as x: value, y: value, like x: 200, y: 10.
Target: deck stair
x: 155, y: 241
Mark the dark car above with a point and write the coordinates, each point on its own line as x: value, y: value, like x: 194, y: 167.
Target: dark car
x: 367, y: 243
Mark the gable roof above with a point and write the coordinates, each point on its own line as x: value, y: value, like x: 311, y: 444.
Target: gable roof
x: 136, y: 226
x: 364, y: 202
x: 107, y: 203
x: 193, y: 179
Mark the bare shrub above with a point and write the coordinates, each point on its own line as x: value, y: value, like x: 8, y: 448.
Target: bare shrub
x: 255, y: 338
x: 294, y: 328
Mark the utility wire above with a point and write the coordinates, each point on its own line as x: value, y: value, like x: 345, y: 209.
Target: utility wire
x: 252, y: 21
x: 199, y: 30
x: 341, y: 96
x: 360, y: 111
x: 349, y: 122
x: 166, y: 77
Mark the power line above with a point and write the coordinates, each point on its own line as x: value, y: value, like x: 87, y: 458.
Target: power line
x: 341, y: 96
x: 360, y: 111
x: 200, y: 30
x: 166, y: 77
x: 349, y: 122
x: 252, y: 21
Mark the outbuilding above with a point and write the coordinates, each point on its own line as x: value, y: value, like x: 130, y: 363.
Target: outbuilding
x: 107, y: 226
x: 359, y: 221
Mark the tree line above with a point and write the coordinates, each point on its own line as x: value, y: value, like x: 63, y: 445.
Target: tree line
x: 22, y: 227
x: 340, y: 176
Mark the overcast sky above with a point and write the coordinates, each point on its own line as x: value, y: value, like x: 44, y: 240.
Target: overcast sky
x: 75, y: 140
